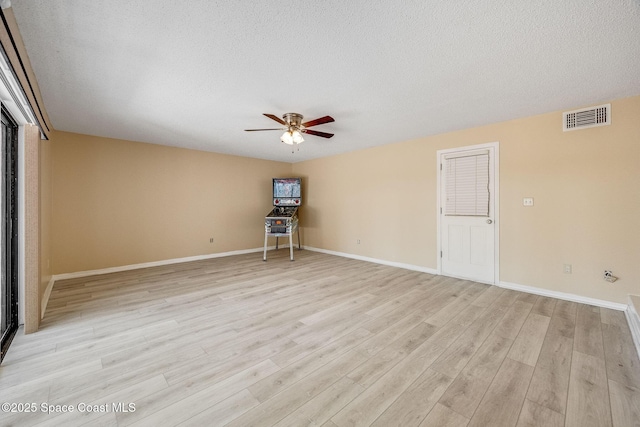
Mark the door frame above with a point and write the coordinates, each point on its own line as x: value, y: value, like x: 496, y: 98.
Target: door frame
x: 495, y: 149
x: 11, y: 247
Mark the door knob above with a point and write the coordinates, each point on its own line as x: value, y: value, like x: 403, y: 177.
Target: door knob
x: 489, y: 221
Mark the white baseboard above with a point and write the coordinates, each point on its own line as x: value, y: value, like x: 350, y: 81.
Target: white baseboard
x: 152, y: 264
x: 633, y: 319
x: 507, y: 285
x: 45, y: 296
x: 77, y: 274
x: 564, y: 296
x: 374, y: 260
x: 514, y: 286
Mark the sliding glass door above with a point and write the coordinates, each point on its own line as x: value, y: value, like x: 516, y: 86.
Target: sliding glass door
x: 8, y: 231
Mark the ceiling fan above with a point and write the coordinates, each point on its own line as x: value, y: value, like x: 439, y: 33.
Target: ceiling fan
x: 294, y: 128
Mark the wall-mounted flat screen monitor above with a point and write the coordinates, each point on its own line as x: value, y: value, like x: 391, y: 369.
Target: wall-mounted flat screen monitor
x: 287, y: 192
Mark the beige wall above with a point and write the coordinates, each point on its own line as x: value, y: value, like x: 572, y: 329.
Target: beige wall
x: 119, y: 203
x: 32, y: 228
x: 45, y: 216
x: 586, y: 186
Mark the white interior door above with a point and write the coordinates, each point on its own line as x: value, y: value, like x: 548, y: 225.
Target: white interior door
x: 468, y: 226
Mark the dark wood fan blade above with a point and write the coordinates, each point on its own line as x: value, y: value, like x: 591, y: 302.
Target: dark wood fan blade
x: 276, y: 118
x: 254, y: 130
x: 320, y: 121
x: 316, y: 133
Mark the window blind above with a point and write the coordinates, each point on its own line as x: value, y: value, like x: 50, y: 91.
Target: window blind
x: 467, y: 185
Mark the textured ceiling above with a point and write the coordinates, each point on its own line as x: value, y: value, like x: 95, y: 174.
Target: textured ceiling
x: 196, y: 73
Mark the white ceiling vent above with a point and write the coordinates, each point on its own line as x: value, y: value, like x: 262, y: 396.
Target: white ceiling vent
x: 586, y: 117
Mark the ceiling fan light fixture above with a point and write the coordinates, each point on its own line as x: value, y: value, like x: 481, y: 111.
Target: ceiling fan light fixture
x: 297, y: 137
x: 291, y: 137
x: 287, y: 138
x: 294, y: 128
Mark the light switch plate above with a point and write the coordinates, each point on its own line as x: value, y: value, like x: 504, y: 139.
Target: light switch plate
x: 527, y: 201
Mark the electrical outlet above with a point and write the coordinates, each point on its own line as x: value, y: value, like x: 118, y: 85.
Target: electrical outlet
x: 567, y: 269
x: 211, y: 240
x: 527, y: 201
x: 358, y: 241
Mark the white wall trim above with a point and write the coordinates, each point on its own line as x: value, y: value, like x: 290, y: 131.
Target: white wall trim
x: 22, y: 220
x: 374, y: 260
x: 45, y: 297
x: 108, y: 270
x: 564, y: 296
x: 514, y: 286
x: 88, y: 273
x: 634, y: 323
x: 633, y: 319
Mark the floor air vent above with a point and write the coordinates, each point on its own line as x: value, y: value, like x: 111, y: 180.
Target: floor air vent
x: 586, y: 117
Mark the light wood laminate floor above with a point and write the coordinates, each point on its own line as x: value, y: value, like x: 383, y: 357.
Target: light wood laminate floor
x: 323, y: 341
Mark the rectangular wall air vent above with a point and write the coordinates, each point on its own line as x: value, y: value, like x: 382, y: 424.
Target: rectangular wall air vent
x: 586, y: 117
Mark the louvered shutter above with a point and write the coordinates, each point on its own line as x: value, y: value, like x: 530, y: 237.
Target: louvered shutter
x: 467, y: 185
